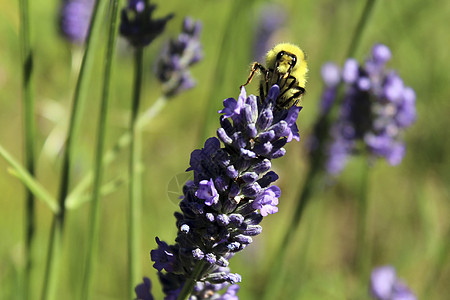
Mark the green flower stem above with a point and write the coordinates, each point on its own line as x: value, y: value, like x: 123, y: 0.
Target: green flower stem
x: 107, y: 189
x: 77, y: 194
x: 359, y: 29
x: 190, y: 282
x: 35, y: 187
x: 94, y: 219
x: 57, y: 227
x: 362, y: 254
x: 30, y: 137
x: 134, y: 216
x: 441, y: 261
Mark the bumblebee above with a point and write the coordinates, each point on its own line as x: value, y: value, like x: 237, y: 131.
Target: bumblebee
x: 285, y: 66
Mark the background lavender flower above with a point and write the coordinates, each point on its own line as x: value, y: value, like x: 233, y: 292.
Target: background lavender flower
x: 172, y: 68
x: 137, y: 24
x: 222, y: 207
x: 376, y: 109
x: 384, y: 285
x: 75, y: 17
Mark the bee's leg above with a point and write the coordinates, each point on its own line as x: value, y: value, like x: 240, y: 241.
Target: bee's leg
x: 291, y: 85
x: 261, y: 90
x: 255, y: 67
x: 295, y: 96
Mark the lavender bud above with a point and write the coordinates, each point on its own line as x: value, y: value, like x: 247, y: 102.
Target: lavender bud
x: 267, y: 179
x: 210, y: 258
x: 252, y: 230
x: 137, y: 24
x: 223, y: 220
x: 265, y: 119
x: 251, y: 190
x: 198, y: 254
x: 262, y: 166
x: 222, y: 135
x: 249, y: 177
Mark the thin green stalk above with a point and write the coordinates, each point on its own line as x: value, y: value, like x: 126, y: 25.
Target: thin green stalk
x: 360, y: 27
x: 362, y: 255
x: 29, y: 135
x: 35, y: 187
x: 57, y: 227
x: 77, y: 194
x: 134, y: 216
x: 94, y: 219
x: 314, y: 176
x: 190, y: 282
x: 437, y: 269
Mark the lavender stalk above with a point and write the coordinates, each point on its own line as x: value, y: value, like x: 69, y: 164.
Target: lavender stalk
x: 30, y: 137
x: 94, y: 220
x: 172, y: 70
x: 231, y: 193
x: 57, y: 227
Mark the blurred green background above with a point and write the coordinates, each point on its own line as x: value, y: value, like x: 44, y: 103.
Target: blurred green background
x: 409, y: 208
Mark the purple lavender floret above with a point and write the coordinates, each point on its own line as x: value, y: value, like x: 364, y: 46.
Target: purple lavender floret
x: 75, y: 18
x: 172, y: 67
x: 231, y: 192
x: 376, y: 109
x: 384, y: 285
x: 144, y: 290
x: 137, y: 24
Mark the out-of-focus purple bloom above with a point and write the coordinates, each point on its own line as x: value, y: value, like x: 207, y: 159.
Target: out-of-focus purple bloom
x: 144, y: 290
x: 172, y: 67
x: 137, y: 24
x: 350, y: 71
x: 231, y: 293
x: 231, y: 193
x: 331, y: 75
x: 271, y: 18
x: 75, y: 18
x: 376, y: 109
x: 384, y: 285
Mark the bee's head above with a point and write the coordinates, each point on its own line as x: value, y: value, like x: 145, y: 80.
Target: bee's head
x: 286, y: 58
x: 285, y: 62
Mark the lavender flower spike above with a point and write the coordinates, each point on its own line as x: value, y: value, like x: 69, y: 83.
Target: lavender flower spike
x: 376, y: 110
x: 384, y: 285
x: 172, y: 67
x: 75, y: 18
x: 231, y: 193
x: 137, y: 24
